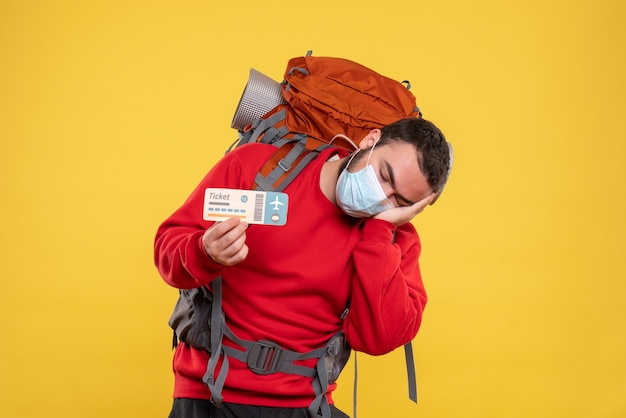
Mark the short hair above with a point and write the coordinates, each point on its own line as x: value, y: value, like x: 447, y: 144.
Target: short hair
x: 433, y: 153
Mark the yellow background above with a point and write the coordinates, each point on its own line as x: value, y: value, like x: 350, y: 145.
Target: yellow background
x: 112, y: 111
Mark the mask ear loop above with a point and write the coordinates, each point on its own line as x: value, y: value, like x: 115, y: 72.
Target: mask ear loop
x: 370, y: 155
x: 348, y: 140
x: 351, y: 158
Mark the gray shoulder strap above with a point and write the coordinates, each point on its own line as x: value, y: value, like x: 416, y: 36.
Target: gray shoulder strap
x: 266, y: 126
x: 216, y: 385
x: 410, y: 371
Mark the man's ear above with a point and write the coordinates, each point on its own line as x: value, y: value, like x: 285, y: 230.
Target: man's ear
x: 370, y: 139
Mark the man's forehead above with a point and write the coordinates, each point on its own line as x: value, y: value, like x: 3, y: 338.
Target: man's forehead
x: 397, y: 153
x: 400, y: 163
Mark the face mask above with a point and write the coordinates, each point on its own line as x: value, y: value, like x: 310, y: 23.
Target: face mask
x: 360, y: 194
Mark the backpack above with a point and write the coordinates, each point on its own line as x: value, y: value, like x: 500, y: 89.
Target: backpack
x: 322, y: 102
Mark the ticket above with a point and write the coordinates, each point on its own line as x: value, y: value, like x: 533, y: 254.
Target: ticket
x: 252, y: 206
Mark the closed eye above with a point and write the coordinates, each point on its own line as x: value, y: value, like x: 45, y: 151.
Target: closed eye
x: 386, y: 174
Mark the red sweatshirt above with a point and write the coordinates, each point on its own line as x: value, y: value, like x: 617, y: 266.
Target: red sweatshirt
x: 296, y: 281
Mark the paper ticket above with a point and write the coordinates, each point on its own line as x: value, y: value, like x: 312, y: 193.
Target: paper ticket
x: 252, y: 206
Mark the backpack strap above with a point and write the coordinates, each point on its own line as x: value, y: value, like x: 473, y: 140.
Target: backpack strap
x: 287, y: 162
x: 266, y: 357
x: 294, y: 151
x: 280, y: 164
x: 306, y: 159
x: 217, y: 318
x: 410, y: 371
x: 267, y: 128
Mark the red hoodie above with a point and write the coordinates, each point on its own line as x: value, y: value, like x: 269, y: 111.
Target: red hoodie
x: 296, y: 281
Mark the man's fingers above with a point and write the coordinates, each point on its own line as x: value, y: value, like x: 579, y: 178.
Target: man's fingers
x: 225, y: 241
x: 419, y: 206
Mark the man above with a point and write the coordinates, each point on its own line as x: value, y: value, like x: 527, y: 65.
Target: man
x: 346, y: 260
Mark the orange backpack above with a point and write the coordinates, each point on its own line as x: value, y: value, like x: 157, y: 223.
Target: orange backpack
x: 321, y: 102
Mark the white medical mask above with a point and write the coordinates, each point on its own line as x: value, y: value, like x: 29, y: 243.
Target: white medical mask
x: 360, y: 194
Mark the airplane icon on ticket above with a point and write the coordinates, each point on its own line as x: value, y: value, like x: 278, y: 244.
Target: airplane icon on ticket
x: 277, y: 203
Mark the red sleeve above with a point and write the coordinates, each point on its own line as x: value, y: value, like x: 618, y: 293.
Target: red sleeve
x: 178, y: 252
x: 388, y: 295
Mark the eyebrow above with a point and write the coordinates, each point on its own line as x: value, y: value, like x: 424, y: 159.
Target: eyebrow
x: 392, y: 180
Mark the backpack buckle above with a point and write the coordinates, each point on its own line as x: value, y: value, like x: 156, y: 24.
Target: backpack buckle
x: 264, y: 357
x: 284, y: 165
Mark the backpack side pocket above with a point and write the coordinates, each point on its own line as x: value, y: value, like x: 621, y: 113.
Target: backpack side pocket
x: 191, y: 317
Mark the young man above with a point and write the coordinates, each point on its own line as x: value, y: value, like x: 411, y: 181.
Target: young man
x: 346, y: 260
